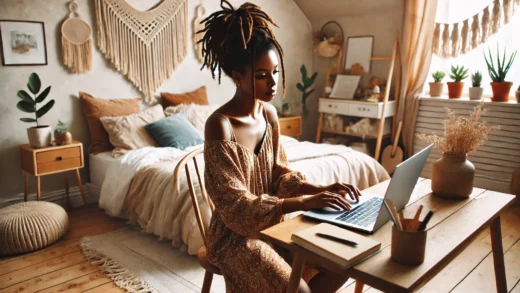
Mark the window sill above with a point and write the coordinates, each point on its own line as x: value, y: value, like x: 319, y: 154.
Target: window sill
x: 465, y: 98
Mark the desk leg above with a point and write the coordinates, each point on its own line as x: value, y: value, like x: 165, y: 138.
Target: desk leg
x: 498, y: 256
x: 80, y: 186
x: 38, y: 187
x: 296, y: 273
x: 26, y: 187
x: 359, y: 287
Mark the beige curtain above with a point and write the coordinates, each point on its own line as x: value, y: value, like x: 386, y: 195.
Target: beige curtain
x: 416, y: 54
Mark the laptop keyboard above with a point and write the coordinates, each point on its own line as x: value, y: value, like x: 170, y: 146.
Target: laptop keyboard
x: 364, y: 214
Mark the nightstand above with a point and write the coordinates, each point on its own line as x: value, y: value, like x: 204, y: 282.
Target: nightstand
x: 52, y: 160
x: 291, y: 126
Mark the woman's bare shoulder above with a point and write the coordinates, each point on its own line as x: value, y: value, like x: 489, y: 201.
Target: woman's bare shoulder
x: 271, y: 112
x: 217, y: 127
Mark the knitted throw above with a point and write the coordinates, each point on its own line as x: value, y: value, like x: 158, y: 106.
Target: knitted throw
x: 146, y: 46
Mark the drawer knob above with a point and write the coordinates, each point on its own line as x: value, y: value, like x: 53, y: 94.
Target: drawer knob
x: 330, y: 106
x: 59, y: 158
x: 288, y: 126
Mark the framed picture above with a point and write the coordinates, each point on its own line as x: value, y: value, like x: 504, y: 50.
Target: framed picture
x: 23, y: 43
x: 359, y: 52
x: 345, y: 86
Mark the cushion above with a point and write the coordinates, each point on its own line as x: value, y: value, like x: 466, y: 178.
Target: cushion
x: 30, y: 226
x: 128, y: 133
x: 174, y: 131
x: 198, y: 96
x: 196, y: 114
x: 94, y: 108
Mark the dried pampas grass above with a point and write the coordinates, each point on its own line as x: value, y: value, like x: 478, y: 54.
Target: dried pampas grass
x: 462, y: 134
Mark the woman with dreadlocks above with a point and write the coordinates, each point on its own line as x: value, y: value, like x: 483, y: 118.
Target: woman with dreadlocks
x: 246, y: 173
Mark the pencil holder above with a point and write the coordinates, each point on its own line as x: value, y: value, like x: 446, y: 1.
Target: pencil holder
x: 408, y: 247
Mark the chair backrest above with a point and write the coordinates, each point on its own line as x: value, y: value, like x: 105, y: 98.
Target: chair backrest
x: 184, y: 164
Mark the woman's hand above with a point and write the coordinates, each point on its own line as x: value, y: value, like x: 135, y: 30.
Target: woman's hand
x: 344, y: 189
x: 325, y: 199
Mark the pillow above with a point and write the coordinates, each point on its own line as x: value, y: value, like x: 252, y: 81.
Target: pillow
x: 196, y: 114
x: 198, y: 96
x: 94, y: 108
x: 174, y: 131
x: 128, y: 133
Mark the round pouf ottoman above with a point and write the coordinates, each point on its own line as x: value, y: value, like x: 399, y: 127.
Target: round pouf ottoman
x: 30, y: 226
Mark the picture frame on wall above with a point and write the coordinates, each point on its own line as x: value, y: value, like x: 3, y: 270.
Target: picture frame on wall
x: 23, y: 42
x: 359, y: 53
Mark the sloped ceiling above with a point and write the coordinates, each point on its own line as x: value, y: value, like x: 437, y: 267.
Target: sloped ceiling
x: 319, y: 9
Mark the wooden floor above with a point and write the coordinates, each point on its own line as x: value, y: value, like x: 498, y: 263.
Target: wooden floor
x: 62, y: 267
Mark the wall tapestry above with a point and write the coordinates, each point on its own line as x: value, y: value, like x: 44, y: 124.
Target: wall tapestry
x: 76, y: 41
x: 200, y: 14
x: 146, y: 46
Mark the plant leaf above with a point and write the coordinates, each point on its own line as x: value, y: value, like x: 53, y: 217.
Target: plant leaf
x: 306, y: 95
x: 25, y: 96
x: 26, y: 107
x: 300, y: 87
x: 43, y: 95
x: 34, y: 83
x: 44, y: 109
x: 313, y: 77
x: 303, y: 70
x: 28, y: 120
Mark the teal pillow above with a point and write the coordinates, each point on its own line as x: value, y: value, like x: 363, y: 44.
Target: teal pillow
x: 174, y: 131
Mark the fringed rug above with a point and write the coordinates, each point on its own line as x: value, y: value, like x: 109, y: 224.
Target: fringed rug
x: 139, y: 262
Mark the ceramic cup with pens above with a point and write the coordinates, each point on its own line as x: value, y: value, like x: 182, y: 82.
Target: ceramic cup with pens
x: 408, y: 247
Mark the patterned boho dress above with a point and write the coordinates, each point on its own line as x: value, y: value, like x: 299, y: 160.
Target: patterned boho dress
x: 247, y: 189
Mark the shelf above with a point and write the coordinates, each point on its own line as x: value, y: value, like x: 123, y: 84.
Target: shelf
x: 354, y: 135
x: 380, y: 58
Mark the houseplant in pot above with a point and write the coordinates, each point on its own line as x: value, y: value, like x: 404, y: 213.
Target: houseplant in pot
x: 62, y: 136
x: 437, y: 86
x: 458, y: 74
x: 498, y: 73
x: 39, y: 135
x: 475, y: 92
x: 453, y: 174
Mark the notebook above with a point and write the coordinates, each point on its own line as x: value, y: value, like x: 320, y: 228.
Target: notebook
x: 342, y: 254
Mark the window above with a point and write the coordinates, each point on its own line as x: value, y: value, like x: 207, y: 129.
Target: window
x: 507, y: 38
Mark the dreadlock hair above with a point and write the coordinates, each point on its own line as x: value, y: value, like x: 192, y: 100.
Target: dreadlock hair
x: 234, y: 38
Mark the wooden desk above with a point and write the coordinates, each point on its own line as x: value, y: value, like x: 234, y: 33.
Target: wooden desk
x: 451, y: 229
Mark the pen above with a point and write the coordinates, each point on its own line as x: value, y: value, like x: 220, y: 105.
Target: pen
x: 425, y: 221
x: 391, y: 214
x: 337, y: 239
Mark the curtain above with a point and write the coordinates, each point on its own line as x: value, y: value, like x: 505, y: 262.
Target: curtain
x: 416, y: 54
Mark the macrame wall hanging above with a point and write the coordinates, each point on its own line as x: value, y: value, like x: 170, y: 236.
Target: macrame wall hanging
x: 146, y: 46
x: 76, y: 41
x: 200, y: 14
x: 462, y: 37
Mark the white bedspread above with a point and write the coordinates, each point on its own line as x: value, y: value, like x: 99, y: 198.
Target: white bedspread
x: 142, y: 189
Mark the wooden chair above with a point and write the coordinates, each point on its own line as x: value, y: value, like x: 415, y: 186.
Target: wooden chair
x: 201, y: 255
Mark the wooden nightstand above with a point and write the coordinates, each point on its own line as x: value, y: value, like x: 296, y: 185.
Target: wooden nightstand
x: 291, y: 126
x: 51, y: 160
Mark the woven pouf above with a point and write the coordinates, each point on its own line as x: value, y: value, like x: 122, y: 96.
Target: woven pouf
x: 30, y: 226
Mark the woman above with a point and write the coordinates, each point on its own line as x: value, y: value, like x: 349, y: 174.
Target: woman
x: 246, y: 173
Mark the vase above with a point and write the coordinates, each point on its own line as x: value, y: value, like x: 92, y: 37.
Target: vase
x: 39, y: 136
x: 475, y: 93
x: 63, y: 138
x: 501, y: 91
x: 436, y: 89
x: 455, y: 89
x: 452, y: 176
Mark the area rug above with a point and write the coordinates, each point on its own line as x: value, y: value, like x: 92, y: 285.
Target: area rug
x: 139, y: 262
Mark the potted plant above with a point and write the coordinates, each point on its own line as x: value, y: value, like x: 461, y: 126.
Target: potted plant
x: 498, y: 73
x: 517, y: 94
x: 458, y: 74
x: 437, y: 86
x: 39, y: 135
x: 475, y: 92
x: 304, y: 87
x: 453, y: 174
x: 62, y: 134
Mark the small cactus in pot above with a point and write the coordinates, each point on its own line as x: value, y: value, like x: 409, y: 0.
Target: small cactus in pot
x: 475, y: 92
x: 437, y: 86
x: 62, y: 134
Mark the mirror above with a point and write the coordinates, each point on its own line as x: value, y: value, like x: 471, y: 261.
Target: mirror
x: 359, y: 52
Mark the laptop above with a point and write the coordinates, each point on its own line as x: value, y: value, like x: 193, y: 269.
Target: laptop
x: 368, y: 215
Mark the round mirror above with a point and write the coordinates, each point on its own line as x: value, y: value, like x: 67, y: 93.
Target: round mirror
x: 329, y: 39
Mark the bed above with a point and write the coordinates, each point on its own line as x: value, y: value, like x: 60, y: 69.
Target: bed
x: 140, y: 187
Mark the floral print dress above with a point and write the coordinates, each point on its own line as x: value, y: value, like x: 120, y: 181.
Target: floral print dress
x: 247, y: 189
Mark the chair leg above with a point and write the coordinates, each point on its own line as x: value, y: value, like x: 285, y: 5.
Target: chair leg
x: 208, y: 278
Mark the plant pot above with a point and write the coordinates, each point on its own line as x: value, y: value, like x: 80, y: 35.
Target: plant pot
x: 455, y: 89
x: 39, y: 136
x: 517, y: 94
x: 63, y: 138
x: 475, y: 93
x: 501, y: 91
x: 452, y: 176
x: 436, y: 89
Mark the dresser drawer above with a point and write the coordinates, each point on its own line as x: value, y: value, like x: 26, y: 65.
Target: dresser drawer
x: 364, y: 110
x: 290, y: 126
x: 333, y: 107
x: 58, y: 160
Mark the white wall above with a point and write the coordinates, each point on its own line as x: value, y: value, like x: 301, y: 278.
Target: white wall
x: 294, y: 34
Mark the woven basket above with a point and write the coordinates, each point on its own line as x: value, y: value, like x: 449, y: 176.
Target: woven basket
x: 323, y: 45
x: 30, y: 226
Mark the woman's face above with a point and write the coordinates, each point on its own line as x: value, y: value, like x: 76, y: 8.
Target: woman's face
x: 265, y: 75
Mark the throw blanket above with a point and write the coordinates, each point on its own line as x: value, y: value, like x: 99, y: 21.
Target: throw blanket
x: 142, y: 187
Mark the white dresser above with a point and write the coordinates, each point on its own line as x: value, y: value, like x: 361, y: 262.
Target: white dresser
x: 496, y: 159
x: 356, y: 108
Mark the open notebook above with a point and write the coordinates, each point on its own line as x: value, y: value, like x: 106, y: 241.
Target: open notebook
x: 342, y: 254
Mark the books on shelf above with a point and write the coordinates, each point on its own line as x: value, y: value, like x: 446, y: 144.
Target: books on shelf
x: 345, y: 255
